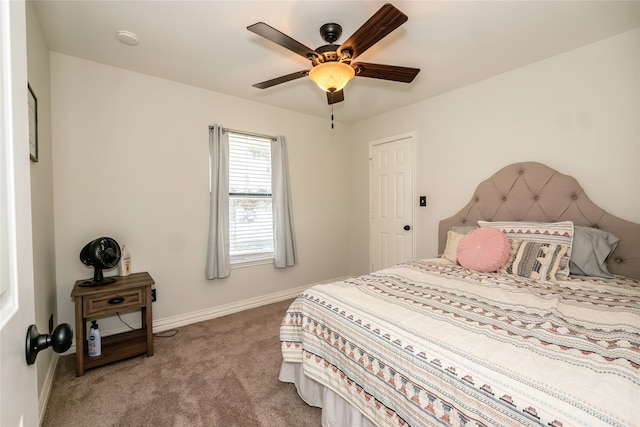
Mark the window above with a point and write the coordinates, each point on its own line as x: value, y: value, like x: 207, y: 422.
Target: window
x: 251, y: 216
x: 250, y: 203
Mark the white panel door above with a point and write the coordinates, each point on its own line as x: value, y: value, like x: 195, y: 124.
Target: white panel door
x: 391, y: 202
x: 18, y: 383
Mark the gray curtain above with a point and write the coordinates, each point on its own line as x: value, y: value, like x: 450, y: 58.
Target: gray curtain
x: 283, y: 231
x: 218, y: 261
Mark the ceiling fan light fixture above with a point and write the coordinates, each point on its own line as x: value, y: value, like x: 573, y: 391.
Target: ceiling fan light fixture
x: 332, y: 76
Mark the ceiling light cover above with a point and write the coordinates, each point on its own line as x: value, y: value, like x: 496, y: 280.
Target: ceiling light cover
x: 331, y: 76
x: 127, y: 38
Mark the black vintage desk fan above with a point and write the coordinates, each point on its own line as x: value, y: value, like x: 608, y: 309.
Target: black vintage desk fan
x: 101, y: 253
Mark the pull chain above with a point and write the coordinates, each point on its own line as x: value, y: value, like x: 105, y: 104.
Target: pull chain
x: 331, y: 116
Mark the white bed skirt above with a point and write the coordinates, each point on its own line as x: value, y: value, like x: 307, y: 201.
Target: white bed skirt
x: 336, y: 412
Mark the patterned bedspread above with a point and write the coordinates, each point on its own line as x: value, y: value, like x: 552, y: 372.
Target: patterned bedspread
x: 432, y: 343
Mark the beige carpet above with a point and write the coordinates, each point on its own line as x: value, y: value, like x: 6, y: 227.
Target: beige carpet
x: 222, y: 372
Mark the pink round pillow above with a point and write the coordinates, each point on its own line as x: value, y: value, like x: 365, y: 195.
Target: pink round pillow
x: 484, y: 249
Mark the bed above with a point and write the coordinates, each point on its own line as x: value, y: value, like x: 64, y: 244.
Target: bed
x: 532, y: 342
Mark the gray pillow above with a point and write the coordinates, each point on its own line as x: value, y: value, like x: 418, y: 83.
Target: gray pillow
x: 590, y: 250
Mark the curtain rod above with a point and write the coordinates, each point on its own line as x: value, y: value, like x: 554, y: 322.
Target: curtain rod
x: 241, y: 132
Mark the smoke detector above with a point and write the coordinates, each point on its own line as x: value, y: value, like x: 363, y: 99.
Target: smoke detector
x: 127, y: 38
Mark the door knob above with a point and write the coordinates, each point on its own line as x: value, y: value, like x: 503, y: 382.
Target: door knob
x: 60, y: 340
x: 407, y: 227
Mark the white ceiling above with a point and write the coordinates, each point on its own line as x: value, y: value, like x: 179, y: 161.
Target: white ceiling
x: 206, y: 43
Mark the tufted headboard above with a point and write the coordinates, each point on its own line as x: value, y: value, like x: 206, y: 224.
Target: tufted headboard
x: 531, y: 191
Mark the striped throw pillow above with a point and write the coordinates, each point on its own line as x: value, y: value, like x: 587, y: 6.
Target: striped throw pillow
x: 539, y: 261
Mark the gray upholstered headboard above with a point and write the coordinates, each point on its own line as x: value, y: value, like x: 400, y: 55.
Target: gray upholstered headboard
x: 531, y: 191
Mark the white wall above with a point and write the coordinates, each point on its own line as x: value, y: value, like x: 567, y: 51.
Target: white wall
x: 131, y: 162
x: 578, y: 112
x: 44, y: 270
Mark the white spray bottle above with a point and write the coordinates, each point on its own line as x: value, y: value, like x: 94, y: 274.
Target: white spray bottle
x: 95, y: 341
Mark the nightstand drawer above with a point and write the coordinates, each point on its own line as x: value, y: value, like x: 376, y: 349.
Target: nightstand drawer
x: 111, y: 302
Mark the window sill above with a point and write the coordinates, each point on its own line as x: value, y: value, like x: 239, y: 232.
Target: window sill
x: 251, y: 262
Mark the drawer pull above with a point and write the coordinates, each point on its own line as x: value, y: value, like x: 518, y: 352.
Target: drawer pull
x: 114, y: 301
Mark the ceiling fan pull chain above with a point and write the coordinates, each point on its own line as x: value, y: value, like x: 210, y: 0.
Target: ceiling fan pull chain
x: 331, y: 116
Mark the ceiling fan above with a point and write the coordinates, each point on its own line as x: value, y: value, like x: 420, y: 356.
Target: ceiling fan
x: 332, y: 67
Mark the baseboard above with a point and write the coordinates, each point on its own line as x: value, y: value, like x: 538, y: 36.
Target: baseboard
x: 173, y: 322
x: 161, y: 325
x: 45, y: 391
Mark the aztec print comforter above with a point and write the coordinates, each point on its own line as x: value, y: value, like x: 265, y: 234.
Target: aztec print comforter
x: 432, y: 343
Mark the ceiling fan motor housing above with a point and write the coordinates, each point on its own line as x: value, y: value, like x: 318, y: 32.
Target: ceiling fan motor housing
x: 329, y: 52
x: 326, y: 53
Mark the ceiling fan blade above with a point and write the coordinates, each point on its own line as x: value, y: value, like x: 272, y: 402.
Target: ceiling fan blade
x: 385, y: 72
x: 282, y: 79
x: 333, y: 97
x: 383, y: 22
x: 282, y: 39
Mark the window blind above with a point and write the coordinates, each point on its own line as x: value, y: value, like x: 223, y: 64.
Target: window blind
x: 250, y: 204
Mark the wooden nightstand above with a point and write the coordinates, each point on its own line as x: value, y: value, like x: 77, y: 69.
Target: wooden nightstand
x: 128, y: 293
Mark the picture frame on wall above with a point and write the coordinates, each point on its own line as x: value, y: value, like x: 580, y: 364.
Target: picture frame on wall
x: 33, y: 125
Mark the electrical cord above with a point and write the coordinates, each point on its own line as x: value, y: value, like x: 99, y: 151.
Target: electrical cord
x: 166, y: 334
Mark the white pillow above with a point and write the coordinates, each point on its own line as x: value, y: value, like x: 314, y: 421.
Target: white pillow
x: 451, y: 249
